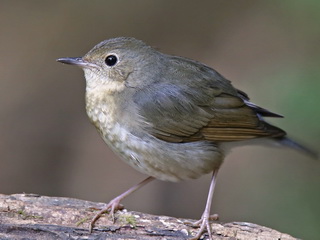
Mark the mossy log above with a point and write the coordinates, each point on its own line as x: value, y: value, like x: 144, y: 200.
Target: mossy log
x: 30, y: 216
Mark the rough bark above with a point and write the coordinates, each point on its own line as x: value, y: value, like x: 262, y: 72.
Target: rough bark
x: 30, y: 216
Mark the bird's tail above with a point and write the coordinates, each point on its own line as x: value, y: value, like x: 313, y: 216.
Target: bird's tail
x: 285, y: 141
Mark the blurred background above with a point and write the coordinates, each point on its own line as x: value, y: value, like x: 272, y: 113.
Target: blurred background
x: 269, y: 49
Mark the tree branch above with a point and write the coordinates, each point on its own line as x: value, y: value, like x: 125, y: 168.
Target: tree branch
x: 30, y: 216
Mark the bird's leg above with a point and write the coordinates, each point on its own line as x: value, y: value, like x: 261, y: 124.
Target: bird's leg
x: 114, y: 204
x: 204, y: 222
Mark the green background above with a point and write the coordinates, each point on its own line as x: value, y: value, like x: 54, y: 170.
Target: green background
x: 269, y: 49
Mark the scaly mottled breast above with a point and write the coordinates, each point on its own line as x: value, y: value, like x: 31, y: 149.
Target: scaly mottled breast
x: 147, y: 154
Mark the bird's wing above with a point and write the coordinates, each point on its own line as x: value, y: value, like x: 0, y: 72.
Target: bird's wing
x: 176, y: 116
x: 205, y: 108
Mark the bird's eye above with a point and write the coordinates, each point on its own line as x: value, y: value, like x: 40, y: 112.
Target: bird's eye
x: 111, y: 60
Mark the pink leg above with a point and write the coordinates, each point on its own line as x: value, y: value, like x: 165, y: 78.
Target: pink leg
x: 114, y: 204
x: 204, y: 222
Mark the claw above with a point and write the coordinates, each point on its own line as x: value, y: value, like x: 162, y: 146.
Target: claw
x: 111, y: 207
x: 204, y: 224
x: 205, y: 227
x: 213, y: 217
x: 115, y: 205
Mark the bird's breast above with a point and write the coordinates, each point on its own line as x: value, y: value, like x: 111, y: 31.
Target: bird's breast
x: 147, y: 154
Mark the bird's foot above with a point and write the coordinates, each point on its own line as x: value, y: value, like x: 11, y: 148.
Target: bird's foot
x: 114, y: 204
x: 110, y: 208
x: 204, y: 225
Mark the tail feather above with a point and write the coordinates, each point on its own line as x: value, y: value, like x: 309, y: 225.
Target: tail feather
x: 295, y: 145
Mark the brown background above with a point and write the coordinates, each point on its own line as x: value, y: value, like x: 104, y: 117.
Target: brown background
x: 270, y: 49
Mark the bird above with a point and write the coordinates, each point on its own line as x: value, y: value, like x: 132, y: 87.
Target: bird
x: 169, y: 117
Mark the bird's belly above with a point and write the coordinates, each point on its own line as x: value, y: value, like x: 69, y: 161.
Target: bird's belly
x: 163, y: 160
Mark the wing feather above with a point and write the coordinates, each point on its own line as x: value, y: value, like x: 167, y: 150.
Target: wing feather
x: 206, y: 108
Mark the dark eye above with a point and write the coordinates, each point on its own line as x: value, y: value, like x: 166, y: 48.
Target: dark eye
x: 111, y: 60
